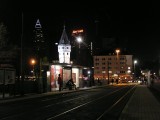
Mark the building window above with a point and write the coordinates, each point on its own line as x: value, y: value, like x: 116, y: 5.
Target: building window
x: 122, y: 72
x: 97, y: 59
x: 109, y: 58
x: 103, y: 68
x: 98, y: 72
x: 97, y: 63
x: 122, y: 58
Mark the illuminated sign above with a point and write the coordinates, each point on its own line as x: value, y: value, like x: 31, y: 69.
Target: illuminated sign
x: 77, y: 31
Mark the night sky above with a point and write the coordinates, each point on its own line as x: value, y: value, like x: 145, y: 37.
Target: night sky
x: 134, y: 25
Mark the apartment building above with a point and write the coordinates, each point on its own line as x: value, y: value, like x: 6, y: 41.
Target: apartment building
x: 113, y: 67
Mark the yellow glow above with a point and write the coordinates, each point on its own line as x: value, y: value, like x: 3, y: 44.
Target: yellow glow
x: 33, y: 62
x: 117, y: 51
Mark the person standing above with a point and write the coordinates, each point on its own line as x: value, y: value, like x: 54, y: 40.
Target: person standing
x: 60, y: 82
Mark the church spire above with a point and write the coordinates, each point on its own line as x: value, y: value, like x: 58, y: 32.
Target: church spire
x: 64, y: 48
x: 64, y: 37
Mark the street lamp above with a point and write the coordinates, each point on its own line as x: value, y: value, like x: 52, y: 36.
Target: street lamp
x: 108, y: 72
x: 79, y: 40
x: 135, y: 62
x: 89, y: 77
x: 117, y: 51
x: 33, y: 62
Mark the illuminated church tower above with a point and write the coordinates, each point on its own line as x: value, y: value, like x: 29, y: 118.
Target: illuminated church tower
x: 64, y: 48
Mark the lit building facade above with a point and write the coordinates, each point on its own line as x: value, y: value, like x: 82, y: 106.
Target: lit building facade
x: 113, y: 67
x: 64, y: 48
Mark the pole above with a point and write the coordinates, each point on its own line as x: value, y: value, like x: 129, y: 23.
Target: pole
x: 135, y: 68
x: 33, y: 71
x: 21, y: 69
x: 79, y: 48
x: 108, y: 72
x: 134, y: 71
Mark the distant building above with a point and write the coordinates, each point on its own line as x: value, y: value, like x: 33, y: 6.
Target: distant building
x: 39, y: 43
x: 117, y: 67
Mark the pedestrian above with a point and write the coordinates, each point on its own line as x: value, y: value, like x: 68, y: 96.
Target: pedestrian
x: 117, y: 81
x: 71, y: 84
x: 60, y: 82
x: 112, y: 81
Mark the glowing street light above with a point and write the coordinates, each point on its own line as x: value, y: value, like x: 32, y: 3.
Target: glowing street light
x: 79, y: 40
x: 117, y: 51
x: 33, y: 62
x: 135, y: 62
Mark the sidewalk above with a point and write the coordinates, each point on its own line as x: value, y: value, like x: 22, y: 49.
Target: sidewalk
x: 141, y: 106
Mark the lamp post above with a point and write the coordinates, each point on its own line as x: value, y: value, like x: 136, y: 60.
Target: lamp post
x: 135, y: 62
x: 108, y: 72
x: 33, y: 62
x: 89, y: 77
x: 117, y: 52
x: 79, y: 40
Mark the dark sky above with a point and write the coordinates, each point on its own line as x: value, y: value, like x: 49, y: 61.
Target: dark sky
x: 134, y: 23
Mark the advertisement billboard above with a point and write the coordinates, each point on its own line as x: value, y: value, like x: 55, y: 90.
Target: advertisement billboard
x: 55, y: 70
x: 10, y: 76
x: 7, y: 76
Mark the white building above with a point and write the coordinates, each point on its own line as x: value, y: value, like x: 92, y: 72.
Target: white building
x: 64, y: 48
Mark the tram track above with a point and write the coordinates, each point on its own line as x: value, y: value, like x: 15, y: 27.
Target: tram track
x: 100, y: 116
x: 83, y: 99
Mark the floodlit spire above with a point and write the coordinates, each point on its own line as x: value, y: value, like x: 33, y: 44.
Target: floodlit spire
x: 64, y: 48
x: 38, y: 24
x: 64, y: 37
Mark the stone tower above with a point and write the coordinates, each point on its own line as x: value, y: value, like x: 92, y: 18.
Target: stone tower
x: 64, y: 48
